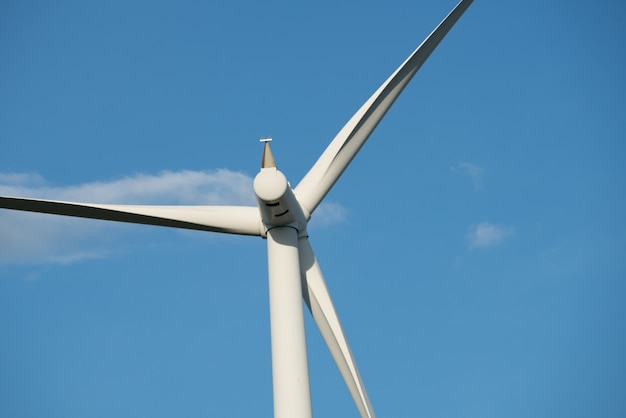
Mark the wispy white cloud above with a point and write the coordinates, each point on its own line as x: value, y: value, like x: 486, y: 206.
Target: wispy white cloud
x: 486, y: 234
x: 39, y: 238
x: 21, y: 179
x: 473, y: 171
x: 27, y: 237
x: 168, y: 187
x: 329, y: 213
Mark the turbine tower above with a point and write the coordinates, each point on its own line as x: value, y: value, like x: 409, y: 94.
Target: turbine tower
x: 281, y: 217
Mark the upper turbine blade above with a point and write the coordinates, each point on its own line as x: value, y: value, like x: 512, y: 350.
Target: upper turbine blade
x: 242, y: 220
x: 332, y: 163
x: 320, y: 304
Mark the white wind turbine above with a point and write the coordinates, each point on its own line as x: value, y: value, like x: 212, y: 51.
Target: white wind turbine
x: 281, y: 217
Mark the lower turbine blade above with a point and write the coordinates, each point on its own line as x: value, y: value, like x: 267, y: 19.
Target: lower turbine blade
x: 323, y: 311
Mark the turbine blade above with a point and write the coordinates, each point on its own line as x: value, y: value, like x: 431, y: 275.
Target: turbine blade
x: 336, y: 158
x: 320, y: 304
x: 242, y: 220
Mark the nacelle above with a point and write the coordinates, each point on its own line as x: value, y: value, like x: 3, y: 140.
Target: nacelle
x: 277, y: 203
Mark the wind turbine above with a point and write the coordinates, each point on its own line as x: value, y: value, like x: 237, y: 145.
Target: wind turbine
x: 281, y: 217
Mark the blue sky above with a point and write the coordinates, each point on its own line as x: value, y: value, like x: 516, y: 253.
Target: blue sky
x: 474, y: 248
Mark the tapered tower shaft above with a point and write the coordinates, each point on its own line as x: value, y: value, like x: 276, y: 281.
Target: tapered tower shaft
x: 290, y: 370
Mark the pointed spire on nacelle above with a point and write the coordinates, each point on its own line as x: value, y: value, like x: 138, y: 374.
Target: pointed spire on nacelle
x: 267, y: 161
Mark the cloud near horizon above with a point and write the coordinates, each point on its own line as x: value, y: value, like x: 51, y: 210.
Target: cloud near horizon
x: 486, y: 234
x: 40, y: 238
x: 473, y: 171
x: 218, y: 187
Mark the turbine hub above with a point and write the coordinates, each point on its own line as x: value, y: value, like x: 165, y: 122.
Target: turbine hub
x: 270, y: 185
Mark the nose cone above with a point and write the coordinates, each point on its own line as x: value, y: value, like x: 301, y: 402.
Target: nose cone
x: 267, y: 161
x: 270, y: 185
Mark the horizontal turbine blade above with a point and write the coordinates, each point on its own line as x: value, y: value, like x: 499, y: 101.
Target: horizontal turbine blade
x: 242, y: 220
x: 335, y: 159
x: 317, y: 298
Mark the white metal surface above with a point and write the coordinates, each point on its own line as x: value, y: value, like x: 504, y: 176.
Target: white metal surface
x: 241, y: 220
x: 277, y: 203
x: 290, y: 372
x: 320, y: 304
